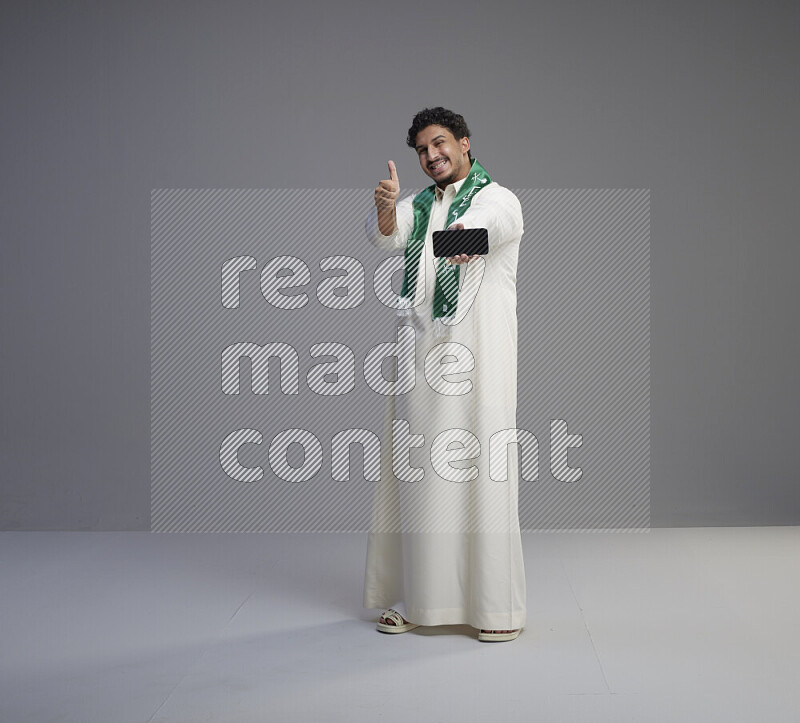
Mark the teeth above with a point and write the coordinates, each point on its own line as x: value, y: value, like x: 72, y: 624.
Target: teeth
x: 437, y: 165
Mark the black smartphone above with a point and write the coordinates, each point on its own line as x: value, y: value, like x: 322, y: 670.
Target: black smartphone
x: 461, y: 241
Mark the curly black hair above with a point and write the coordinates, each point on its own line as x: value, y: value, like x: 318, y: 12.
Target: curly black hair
x: 438, y: 116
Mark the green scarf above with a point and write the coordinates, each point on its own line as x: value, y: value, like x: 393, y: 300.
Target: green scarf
x: 445, y: 297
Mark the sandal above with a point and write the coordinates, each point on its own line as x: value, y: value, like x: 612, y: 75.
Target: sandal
x: 400, y: 625
x: 487, y: 636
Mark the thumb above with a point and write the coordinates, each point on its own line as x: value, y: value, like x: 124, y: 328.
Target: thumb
x: 393, y: 172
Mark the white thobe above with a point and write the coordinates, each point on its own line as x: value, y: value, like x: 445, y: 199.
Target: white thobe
x: 446, y: 549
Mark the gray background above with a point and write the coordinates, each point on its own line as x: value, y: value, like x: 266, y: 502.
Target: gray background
x: 102, y: 102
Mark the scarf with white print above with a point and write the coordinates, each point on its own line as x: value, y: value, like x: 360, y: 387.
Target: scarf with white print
x: 445, y: 297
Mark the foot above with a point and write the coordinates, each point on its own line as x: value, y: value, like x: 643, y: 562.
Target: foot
x: 389, y: 621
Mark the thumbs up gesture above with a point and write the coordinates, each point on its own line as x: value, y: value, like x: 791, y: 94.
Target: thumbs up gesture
x: 385, y: 199
x: 387, y: 190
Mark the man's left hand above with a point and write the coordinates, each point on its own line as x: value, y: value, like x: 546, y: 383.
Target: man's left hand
x: 461, y: 258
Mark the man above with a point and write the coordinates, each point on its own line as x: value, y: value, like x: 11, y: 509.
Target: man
x: 444, y: 545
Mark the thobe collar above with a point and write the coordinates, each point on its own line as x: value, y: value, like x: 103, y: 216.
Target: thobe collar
x: 455, y: 186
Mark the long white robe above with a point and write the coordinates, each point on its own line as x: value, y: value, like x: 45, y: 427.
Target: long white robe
x: 447, y: 550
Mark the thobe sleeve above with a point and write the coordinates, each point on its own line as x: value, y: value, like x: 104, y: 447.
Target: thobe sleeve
x: 405, y: 225
x: 499, y: 211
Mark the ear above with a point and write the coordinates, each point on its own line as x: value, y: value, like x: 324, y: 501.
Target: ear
x: 464, y: 145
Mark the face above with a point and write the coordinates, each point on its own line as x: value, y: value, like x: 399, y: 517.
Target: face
x: 443, y: 157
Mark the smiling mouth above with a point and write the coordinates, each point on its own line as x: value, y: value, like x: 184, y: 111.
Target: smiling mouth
x: 438, y: 166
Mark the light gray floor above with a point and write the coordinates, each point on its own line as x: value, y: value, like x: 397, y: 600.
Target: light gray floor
x: 670, y: 625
